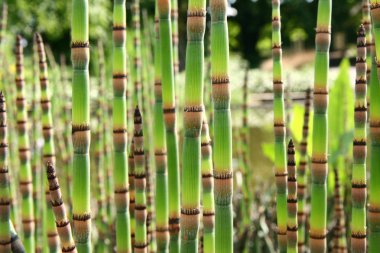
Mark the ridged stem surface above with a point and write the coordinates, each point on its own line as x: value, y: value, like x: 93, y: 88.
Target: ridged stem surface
x: 292, y: 223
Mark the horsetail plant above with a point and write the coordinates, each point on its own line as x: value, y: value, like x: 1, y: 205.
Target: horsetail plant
x: 169, y: 107
x: 292, y: 224
x: 374, y: 121
x: 136, y: 74
x: 207, y: 190
x: 359, y: 179
x: 26, y: 187
x: 319, y: 169
x: 81, y: 136
x: 161, y: 193
x: 339, y: 241
x: 5, y: 194
x: 193, y: 115
x: 222, y: 128
x: 132, y: 199
x: 48, y: 151
x: 123, y: 243
x: 174, y: 25
x: 366, y: 21
x: 302, y: 177
x: 141, y: 242
x: 279, y: 128
x: 61, y: 218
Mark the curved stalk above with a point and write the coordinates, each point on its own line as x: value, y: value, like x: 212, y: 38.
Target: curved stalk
x: 81, y: 136
x: 359, y: 178
x: 222, y: 128
x: 292, y: 225
x: 169, y: 107
x: 26, y: 186
x: 279, y: 128
x: 48, y: 148
x: 61, y: 219
x: 161, y: 193
x: 319, y: 169
x: 141, y: 240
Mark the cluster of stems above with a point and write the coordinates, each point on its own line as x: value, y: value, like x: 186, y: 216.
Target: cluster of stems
x: 359, y: 178
x: 279, y: 128
x: 319, y: 168
x: 80, y: 56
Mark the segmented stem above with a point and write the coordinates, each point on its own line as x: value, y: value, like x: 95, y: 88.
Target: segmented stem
x: 292, y: 225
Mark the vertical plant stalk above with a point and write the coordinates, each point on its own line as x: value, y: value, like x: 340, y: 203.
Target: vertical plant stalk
x: 61, y: 218
x: 319, y: 168
x: 160, y: 155
x: 174, y: 25
x: 302, y: 181
x: 81, y: 136
x: 141, y: 243
x: 359, y: 177
x: 374, y: 186
x: 123, y: 243
x: 292, y: 227
x: 36, y: 150
x: 339, y: 241
x: 132, y: 193
x: 137, y: 52
x: 26, y: 187
x: 193, y: 116
x: 222, y: 129
x: 279, y: 128
x: 50, y: 230
x: 5, y: 194
x: 169, y: 107
x: 207, y: 190
x: 366, y: 21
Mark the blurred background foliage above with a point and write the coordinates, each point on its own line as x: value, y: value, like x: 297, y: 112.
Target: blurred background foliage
x: 249, y: 24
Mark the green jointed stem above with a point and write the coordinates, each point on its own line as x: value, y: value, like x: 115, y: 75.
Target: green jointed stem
x: 16, y: 243
x: 292, y: 224
x: 279, y: 128
x: 339, y: 241
x: 123, y: 242
x: 207, y: 190
x: 48, y: 151
x: 36, y: 150
x: 366, y: 21
x: 174, y: 25
x: 302, y: 178
x: 136, y: 67
x: 26, y: 187
x: 81, y: 137
x: 359, y: 178
x: 169, y: 107
x: 160, y: 156
x: 5, y: 194
x: 141, y: 241
x: 374, y: 119
x: 319, y: 169
x: 193, y: 116
x: 222, y: 128
x: 61, y: 218
x: 132, y: 199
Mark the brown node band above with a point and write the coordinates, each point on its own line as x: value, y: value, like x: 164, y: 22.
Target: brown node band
x: 292, y: 229
x: 317, y: 236
x: 57, y: 203
x: 141, y: 246
x: 292, y: 201
x: 191, y: 211
x: 359, y: 235
x: 80, y: 44
x: 169, y: 110
x: 82, y: 217
x: 318, y: 161
x: 159, y: 153
x: 359, y: 186
x: 205, y: 144
x: 25, y: 182
x: 79, y: 128
x: 360, y: 109
x: 281, y: 174
x: 119, y: 27
x: 140, y: 176
x: 219, y: 81
x: 205, y: 213
x: 193, y: 108
x: 5, y: 202
x: 208, y: 175
x: 174, y: 221
x: 138, y: 152
x: 222, y: 175
x: 140, y: 207
x: 62, y: 224
x: 119, y: 131
x: 125, y: 190
x: 196, y: 13
x: 68, y: 249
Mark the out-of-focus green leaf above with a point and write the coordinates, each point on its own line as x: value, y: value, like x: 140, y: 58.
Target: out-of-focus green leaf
x: 268, y: 150
x: 296, y: 122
